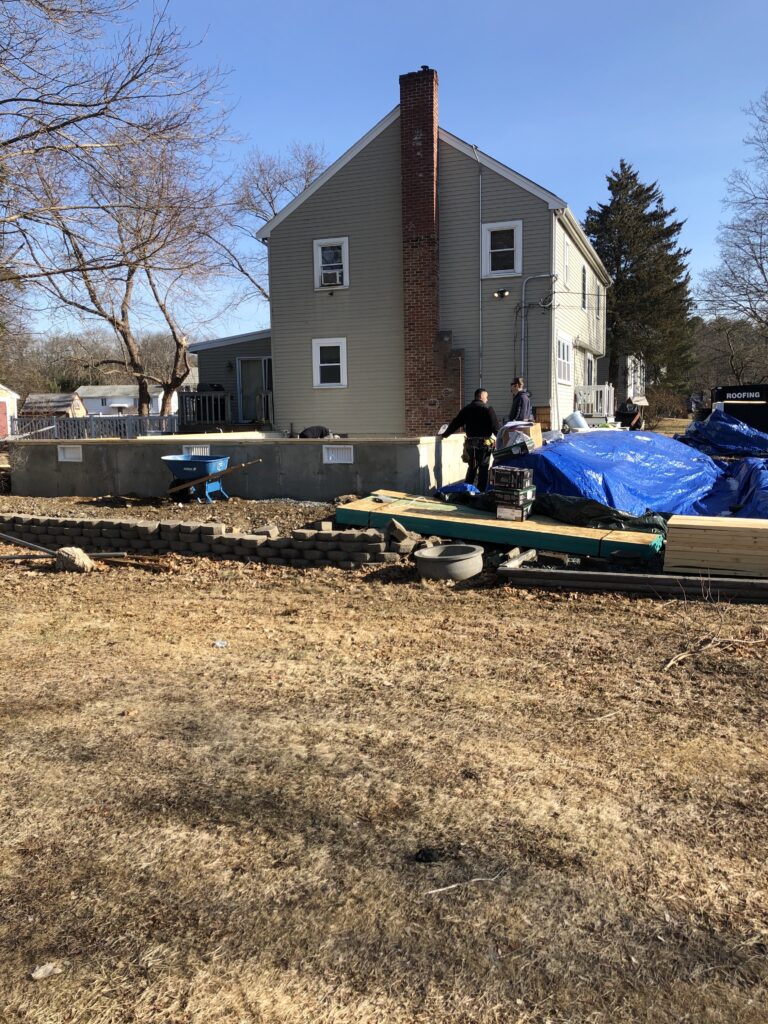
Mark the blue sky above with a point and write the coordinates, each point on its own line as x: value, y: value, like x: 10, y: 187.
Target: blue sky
x: 558, y: 91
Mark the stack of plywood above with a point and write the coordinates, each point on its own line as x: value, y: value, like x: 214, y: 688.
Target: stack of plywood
x: 442, y: 519
x: 717, y: 545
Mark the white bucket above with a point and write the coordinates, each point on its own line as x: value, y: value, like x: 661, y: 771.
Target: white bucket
x: 575, y: 421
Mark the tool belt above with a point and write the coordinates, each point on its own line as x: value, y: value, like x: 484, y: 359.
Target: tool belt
x: 476, y: 448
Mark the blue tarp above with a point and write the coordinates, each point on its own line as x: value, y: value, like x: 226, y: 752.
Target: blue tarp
x: 721, y: 434
x: 637, y: 470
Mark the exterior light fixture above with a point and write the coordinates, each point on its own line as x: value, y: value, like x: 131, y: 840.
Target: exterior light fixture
x: 501, y: 293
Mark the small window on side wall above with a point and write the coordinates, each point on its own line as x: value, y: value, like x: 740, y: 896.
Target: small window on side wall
x: 503, y: 249
x: 329, y: 362
x: 583, y: 287
x: 564, y: 359
x: 331, y: 260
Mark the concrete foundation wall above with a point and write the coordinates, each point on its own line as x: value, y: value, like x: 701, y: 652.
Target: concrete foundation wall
x: 289, y: 468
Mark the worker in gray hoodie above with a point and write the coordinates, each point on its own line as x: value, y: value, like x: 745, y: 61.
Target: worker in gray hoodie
x: 522, y: 410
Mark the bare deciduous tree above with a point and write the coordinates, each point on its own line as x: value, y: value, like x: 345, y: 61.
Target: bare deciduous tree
x: 738, y: 287
x: 266, y: 183
x: 728, y: 352
x: 77, y: 83
x: 136, y: 250
x: 105, y: 148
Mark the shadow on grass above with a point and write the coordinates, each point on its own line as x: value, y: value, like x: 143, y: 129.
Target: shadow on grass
x: 260, y: 864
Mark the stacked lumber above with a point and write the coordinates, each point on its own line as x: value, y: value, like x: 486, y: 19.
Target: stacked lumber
x: 717, y: 546
x: 443, y: 519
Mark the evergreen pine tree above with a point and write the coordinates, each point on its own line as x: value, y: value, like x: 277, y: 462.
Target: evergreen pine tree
x: 649, y: 304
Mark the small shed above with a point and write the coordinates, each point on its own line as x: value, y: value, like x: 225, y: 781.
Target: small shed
x: 64, y: 405
x: 8, y: 409
x: 116, y: 399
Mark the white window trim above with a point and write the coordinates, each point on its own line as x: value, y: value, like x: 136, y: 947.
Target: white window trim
x: 568, y: 340
x: 503, y: 225
x: 316, y: 247
x: 317, y: 344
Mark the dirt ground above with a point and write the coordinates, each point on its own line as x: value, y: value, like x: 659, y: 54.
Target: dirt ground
x: 237, y: 793
x: 238, y: 512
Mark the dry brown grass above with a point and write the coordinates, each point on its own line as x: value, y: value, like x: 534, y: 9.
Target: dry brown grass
x: 200, y: 835
x: 669, y: 427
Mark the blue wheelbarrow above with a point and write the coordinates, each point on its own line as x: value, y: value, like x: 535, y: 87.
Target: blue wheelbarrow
x: 197, y: 476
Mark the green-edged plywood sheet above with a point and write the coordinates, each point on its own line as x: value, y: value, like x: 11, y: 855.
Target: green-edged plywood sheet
x: 425, y: 516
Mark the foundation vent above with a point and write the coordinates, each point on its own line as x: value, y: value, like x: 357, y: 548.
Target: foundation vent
x: 338, y: 454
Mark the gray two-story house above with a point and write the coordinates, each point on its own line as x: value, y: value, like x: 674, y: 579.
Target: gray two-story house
x: 417, y: 268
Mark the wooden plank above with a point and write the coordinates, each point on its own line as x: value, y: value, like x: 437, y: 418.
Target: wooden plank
x: 426, y: 516
x: 755, y: 590
x: 535, y: 524
x: 726, y: 522
x: 717, y: 545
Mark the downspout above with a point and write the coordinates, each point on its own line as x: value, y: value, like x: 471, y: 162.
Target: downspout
x: 480, y: 261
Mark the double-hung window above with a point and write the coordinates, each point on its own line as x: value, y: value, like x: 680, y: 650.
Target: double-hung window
x: 503, y: 248
x: 331, y: 261
x: 598, y: 300
x: 564, y: 359
x: 329, y: 362
x: 583, y: 287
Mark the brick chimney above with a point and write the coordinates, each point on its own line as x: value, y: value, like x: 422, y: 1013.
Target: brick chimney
x: 433, y: 390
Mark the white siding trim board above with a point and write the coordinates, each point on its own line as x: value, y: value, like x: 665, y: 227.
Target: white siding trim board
x: 554, y: 202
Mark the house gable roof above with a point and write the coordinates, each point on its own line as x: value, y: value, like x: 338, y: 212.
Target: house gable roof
x: 52, y: 401
x: 554, y: 202
x: 7, y: 392
x: 329, y: 172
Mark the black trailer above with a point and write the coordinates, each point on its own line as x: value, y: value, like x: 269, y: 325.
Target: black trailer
x: 747, y: 402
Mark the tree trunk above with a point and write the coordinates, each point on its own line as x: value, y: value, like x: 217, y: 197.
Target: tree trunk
x: 166, y: 408
x: 144, y: 396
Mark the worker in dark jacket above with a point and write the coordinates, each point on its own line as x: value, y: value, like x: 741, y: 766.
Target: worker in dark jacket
x: 481, y: 424
x: 629, y: 414
x: 522, y: 410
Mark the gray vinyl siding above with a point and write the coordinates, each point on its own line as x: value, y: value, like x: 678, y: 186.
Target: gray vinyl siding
x: 460, y: 280
x: 362, y: 202
x: 214, y: 363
